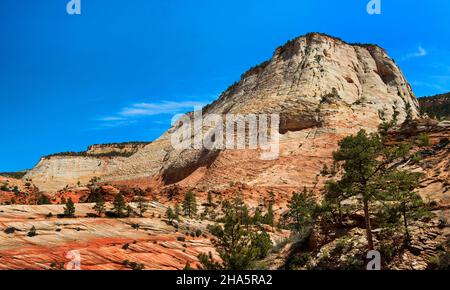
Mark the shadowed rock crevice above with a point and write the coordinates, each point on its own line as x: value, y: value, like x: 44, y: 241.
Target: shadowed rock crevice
x: 177, y: 172
x: 292, y: 123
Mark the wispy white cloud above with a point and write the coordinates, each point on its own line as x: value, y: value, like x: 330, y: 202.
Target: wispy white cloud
x: 132, y: 113
x: 420, y: 52
x: 152, y: 109
x: 108, y: 119
x: 110, y: 123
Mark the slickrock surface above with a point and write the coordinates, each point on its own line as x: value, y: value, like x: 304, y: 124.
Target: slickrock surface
x: 103, y: 243
x: 323, y: 88
x: 56, y: 171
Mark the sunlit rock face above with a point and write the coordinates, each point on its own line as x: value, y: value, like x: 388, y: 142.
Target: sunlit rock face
x: 322, y: 88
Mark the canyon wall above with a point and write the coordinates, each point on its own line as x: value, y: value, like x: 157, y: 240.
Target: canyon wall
x: 323, y: 90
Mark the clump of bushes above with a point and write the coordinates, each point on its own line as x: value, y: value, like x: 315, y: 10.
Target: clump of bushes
x: 423, y: 140
x: 133, y: 265
x: 10, y: 230
x: 32, y: 232
x: 136, y: 266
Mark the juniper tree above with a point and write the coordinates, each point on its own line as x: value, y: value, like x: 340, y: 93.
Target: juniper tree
x: 32, y: 232
x: 238, y: 207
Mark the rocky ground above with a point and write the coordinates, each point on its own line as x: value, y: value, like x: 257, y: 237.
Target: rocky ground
x: 103, y: 243
x: 345, y: 247
x: 323, y: 89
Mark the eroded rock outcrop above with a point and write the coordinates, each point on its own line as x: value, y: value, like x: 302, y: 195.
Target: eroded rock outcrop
x: 322, y: 88
x: 59, y: 170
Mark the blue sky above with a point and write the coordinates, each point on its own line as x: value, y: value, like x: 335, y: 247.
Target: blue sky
x: 121, y: 69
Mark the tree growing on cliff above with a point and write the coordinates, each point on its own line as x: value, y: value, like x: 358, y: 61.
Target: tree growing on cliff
x: 238, y: 247
x: 142, y: 205
x: 402, y: 204
x: 190, y: 204
x: 119, y: 205
x: 257, y: 217
x: 368, y: 171
x: 99, y: 206
x: 269, y: 216
x: 210, y: 199
x: 301, y: 211
x: 170, y: 214
x: 69, y: 209
x: 386, y: 125
x: 409, y: 113
x: 177, y: 211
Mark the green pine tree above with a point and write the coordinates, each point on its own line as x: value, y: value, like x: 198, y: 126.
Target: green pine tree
x: 238, y: 247
x: 43, y: 199
x: 367, y: 172
x: 409, y: 113
x: 142, y: 205
x: 119, y: 205
x: 190, y: 204
x: 99, y: 206
x: 170, y: 214
x: 177, y: 211
x: 269, y: 217
x: 69, y: 209
x: 403, y: 205
x: 257, y: 217
x: 301, y: 211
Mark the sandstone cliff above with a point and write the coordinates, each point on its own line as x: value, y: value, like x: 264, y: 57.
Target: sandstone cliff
x: 323, y: 89
x: 59, y: 170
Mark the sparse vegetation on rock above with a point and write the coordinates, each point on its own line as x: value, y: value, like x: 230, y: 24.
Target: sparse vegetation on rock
x: 99, y: 206
x: 69, y: 209
x: 142, y: 205
x: 119, y: 205
x: 189, y: 204
x: 238, y: 245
